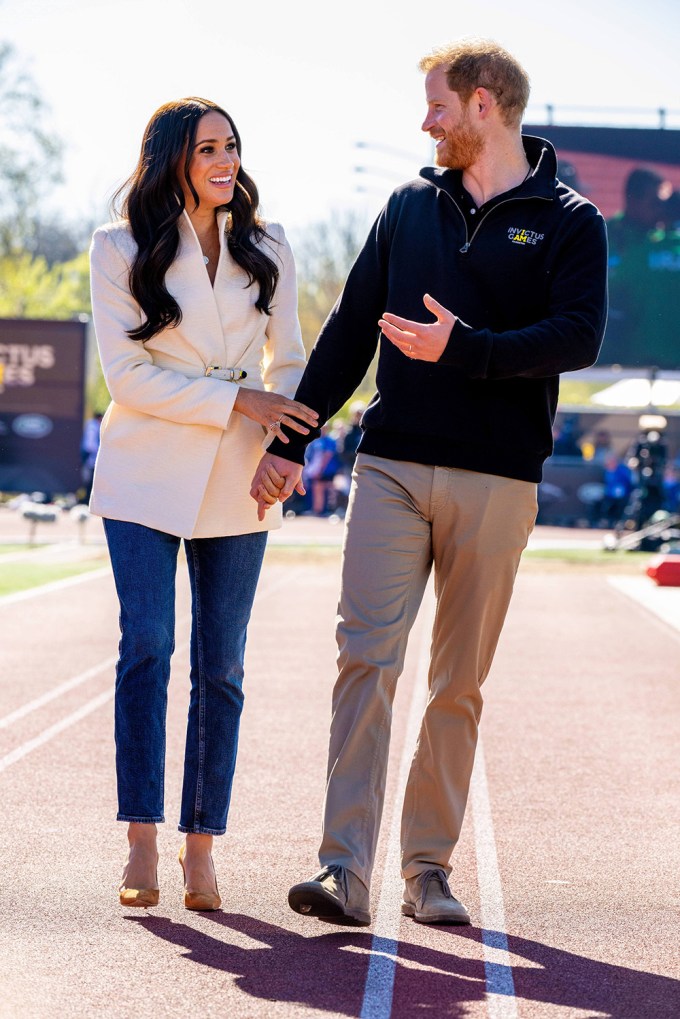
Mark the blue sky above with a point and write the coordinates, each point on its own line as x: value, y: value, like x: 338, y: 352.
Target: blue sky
x: 305, y: 82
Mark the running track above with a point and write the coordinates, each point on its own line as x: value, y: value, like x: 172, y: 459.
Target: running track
x: 569, y: 860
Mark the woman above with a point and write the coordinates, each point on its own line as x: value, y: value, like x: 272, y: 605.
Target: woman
x: 194, y: 306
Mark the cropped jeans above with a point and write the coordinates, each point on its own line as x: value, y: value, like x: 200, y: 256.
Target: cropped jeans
x: 223, y: 573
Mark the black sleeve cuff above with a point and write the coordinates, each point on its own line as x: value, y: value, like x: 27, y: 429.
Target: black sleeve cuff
x: 468, y: 349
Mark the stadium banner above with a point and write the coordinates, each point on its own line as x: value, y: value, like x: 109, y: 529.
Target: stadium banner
x: 42, y: 393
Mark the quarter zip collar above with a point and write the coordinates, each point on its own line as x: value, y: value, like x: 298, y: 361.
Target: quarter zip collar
x: 541, y: 182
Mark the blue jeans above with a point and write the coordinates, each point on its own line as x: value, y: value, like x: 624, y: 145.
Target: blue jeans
x: 223, y: 574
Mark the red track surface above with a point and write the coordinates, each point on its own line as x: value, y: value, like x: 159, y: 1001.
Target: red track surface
x: 581, y: 742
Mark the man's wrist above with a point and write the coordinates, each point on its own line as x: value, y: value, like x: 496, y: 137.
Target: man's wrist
x: 287, y: 450
x: 296, y: 446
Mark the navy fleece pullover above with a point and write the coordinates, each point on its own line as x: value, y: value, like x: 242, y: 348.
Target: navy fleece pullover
x: 528, y: 285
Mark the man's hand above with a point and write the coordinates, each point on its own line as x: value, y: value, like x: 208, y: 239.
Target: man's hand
x: 421, y: 341
x: 275, y: 480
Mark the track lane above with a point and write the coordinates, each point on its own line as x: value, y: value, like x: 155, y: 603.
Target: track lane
x: 562, y: 741
x: 581, y: 737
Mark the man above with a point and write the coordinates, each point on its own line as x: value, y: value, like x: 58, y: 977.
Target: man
x: 644, y: 280
x: 511, y: 265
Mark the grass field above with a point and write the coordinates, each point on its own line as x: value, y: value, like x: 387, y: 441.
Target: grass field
x: 23, y: 575
x: 28, y: 572
x: 597, y: 558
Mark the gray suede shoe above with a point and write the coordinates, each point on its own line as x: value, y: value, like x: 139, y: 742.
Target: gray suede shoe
x: 428, y: 899
x: 335, y: 895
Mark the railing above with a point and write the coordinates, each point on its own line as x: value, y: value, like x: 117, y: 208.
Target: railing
x: 602, y: 116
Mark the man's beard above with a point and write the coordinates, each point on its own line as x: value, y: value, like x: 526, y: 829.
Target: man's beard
x: 461, y: 150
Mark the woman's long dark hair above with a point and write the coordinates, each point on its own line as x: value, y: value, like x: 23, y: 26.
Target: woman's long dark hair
x: 152, y: 200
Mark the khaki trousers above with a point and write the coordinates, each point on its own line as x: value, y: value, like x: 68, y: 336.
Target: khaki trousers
x: 403, y: 518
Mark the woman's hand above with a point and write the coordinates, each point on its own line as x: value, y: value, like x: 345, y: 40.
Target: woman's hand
x: 274, y: 481
x: 273, y: 410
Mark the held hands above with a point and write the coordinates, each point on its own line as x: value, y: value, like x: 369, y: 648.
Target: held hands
x: 273, y: 410
x: 275, y: 480
x: 420, y: 341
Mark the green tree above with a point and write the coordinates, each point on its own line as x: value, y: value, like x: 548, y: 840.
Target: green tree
x: 324, y: 254
x: 30, y: 155
x: 29, y: 288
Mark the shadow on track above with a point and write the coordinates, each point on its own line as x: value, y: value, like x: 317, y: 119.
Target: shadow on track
x: 329, y: 972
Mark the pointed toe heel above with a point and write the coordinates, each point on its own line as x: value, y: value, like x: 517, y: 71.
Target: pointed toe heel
x: 142, y: 897
x: 203, y: 902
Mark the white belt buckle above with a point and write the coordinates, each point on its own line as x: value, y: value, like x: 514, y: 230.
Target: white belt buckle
x: 226, y: 374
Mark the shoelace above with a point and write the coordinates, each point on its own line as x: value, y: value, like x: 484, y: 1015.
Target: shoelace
x: 431, y: 875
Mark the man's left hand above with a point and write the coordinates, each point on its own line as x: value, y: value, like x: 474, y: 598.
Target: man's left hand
x: 421, y: 341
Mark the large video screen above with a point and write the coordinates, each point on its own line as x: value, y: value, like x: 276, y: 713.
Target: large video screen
x: 633, y: 176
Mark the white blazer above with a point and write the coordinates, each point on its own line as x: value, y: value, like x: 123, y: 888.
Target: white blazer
x: 174, y: 454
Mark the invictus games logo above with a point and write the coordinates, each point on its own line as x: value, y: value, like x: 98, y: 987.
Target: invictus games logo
x: 520, y: 236
x: 18, y: 362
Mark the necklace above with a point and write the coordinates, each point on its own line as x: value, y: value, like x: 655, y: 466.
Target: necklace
x: 210, y: 248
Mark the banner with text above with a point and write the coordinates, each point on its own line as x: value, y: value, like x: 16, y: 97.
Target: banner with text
x: 42, y: 392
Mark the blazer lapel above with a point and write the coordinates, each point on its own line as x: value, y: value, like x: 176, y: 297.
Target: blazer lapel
x: 189, y: 283
x: 235, y: 301
x: 217, y: 322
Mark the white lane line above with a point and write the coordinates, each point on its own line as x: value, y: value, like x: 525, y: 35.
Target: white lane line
x: 55, y: 585
x: 377, y: 1002
x: 75, y: 716
x: 500, y: 988
x: 70, y: 684
x: 500, y: 985
x: 663, y: 602
x: 55, y: 729
x: 95, y: 702
x: 57, y: 691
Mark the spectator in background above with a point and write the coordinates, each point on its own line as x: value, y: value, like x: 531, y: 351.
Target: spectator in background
x: 642, y: 212
x: 602, y: 448
x: 565, y: 439
x: 352, y: 436
x: 671, y: 489
x: 338, y: 433
x: 618, y: 485
x: 322, y: 466
x: 89, y: 447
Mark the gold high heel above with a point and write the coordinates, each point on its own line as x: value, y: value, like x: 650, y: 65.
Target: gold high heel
x: 142, y: 897
x: 138, y: 896
x: 203, y: 901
